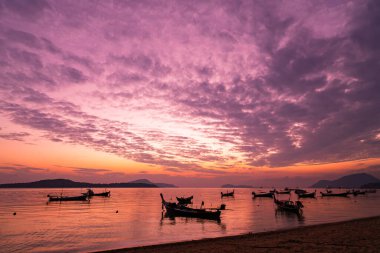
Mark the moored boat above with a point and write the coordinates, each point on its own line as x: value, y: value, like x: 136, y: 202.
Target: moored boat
x: 67, y: 198
x: 331, y: 194
x: 289, y: 206
x: 298, y: 191
x: 91, y: 193
x: 174, y: 209
x: 307, y: 194
x: 227, y: 194
x: 184, y: 201
x: 263, y: 195
x: 358, y: 192
x: 370, y: 191
x: 283, y: 192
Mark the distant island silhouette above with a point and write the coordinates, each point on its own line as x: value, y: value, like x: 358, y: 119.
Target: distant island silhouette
x: 66, y: 183
x: 359, y: 180
x: 236, y: 186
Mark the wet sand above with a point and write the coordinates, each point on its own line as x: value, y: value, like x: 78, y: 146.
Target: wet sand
x: 362, y: 235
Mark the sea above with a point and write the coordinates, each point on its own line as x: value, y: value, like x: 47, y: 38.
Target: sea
x: 134, y: 217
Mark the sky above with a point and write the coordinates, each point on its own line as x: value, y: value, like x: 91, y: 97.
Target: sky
x: 195, y: 93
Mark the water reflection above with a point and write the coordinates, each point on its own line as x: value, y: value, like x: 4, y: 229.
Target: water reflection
x: 95, y: 225
x: 186, y: 220
x: 291, y: 217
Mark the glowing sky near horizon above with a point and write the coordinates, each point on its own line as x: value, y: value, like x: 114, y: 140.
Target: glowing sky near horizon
x: 183, y: 90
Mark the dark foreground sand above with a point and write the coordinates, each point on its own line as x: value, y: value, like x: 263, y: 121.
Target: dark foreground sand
x: 361, y: 235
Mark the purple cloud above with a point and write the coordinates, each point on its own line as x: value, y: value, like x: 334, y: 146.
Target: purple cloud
x: 198, y: 87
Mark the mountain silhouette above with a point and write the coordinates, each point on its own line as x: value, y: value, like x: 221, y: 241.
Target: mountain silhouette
x: 349, y: 181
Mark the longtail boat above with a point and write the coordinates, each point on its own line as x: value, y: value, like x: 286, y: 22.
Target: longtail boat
x: 91, y: 193
x: 289, y: 206
x: 307, y: 194
x: 185, y: 201
x: 298, y: 191
x: 263, y: 195
x: 331, y: 194
x: 283, y: 192
x: 227, y: 194
x: 356, y: 193
x: 174, y: 209
x: 67, y: 198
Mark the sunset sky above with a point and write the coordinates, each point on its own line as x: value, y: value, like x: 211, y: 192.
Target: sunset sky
x: 195, y: 93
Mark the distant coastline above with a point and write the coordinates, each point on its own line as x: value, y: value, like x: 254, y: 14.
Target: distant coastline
x: 236, y: 186
x: 66, y: 183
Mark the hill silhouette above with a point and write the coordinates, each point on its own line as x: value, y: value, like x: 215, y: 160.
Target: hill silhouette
x: 349, y: 181
x: 66, y: 183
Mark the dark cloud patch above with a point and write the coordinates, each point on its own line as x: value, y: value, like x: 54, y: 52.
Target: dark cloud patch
x: 72, y: 74
x: 34, y: 96
x: 122, y: 78
x: 24, y: 38
x: 49, y: 46
x: 366, y: 33
x: 19, y: 136
x: 22, y: 168
x: 86, y: 62
x: 142, y: 62
x: 90, y: 170
x: 26, y: 58
x: 30, y: 9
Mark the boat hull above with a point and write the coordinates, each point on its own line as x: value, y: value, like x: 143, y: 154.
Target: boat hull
x: 211, y: 215
x: 185, y: 201
x: 229, y: 194
x: 343, y: 194
x: 306, y: 195
x: 262, y: 195
x: 103, y: 194
x: 75, y: 198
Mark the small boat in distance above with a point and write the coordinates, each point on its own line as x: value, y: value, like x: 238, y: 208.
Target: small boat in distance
x: 307, y: 194
x: 67, y: 198
x: 358, y: 192
x: 91, y: 193
x: 331, y: 194
x: 283, y: 192
x: 174, y: 209
x: 227, y: 194
x: 289, y: 206
x: 298, y: 191
x: 185, y: 201
x: 263, y: 195
x: 370, y: 191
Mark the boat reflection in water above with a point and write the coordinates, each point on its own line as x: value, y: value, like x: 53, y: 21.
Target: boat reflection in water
x: 96, y: 225
x: 180, y: 219
x: 280, y: 214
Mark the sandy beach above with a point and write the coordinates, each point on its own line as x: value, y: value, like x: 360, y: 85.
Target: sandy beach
x: 362, y: 235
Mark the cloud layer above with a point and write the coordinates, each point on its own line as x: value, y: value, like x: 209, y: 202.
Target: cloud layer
x: 201, y: 87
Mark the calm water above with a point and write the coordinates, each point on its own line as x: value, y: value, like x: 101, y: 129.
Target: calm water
x: 82, y: 226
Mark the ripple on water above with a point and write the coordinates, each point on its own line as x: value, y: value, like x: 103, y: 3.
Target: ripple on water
x: 95, y: 225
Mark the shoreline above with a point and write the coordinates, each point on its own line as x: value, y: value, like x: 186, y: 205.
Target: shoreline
x: 362, y: 234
